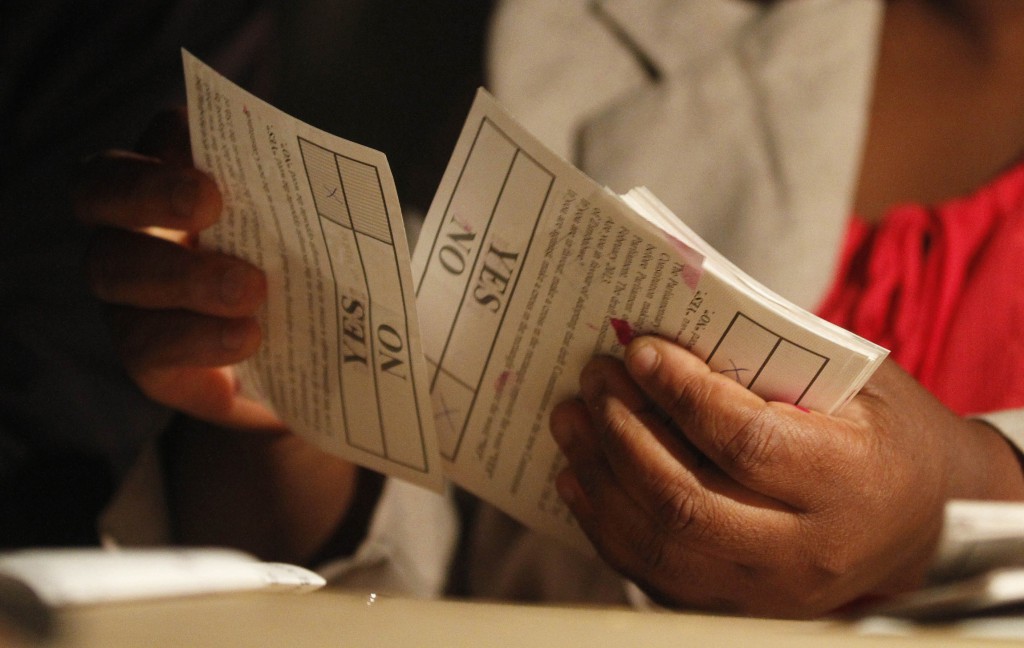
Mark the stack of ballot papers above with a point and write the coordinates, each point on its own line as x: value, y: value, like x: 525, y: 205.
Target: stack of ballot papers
x: 978, y: 570
x: 446, y: 365
x: 34, y: 583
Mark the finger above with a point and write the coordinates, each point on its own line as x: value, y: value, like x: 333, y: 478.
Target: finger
x: 147, y: 272
x: 626, y: 536
x: 156, y: 340
x: 131, y: 191
x: 208, y: 394
x: 167, y: 138
x: 570, y: 427
x: 686, y: 494
x: 771, y: 448
x: 609, y: 517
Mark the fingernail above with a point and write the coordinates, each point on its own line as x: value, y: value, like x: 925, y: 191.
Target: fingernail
x: 641, y: 359
x: 234, y: 284
x: 183, y: 197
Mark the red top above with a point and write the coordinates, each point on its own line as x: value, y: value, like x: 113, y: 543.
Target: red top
x: 941, y: 288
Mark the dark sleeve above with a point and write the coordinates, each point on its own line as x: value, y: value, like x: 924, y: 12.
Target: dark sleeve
x: 49, y: 496
x: 74, y: 81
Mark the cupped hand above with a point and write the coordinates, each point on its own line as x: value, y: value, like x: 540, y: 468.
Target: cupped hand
x: 709, y: 497
x: 180, y: 315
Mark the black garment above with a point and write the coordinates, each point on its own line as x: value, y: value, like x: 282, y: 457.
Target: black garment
x: 76, y: 78
x: 395, y: 75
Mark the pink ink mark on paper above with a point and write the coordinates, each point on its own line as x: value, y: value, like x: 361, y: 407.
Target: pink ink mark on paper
x: 623, y: 331
x: 691, y: 276
x: 508, y: 376
x: 693, y: 263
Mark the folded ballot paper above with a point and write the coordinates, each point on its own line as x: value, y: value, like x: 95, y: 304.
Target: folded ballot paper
x: 87, y: 576
x: 447, y: 366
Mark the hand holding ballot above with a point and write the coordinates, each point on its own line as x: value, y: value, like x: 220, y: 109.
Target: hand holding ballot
x: 180, y: 317
x: 706, y: 495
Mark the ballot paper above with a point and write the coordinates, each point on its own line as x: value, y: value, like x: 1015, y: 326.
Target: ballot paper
x: 340, y: 360
x: 525, y: 268
x: 979, y: 536
x: 87, y: 576
x: 978, y: 568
